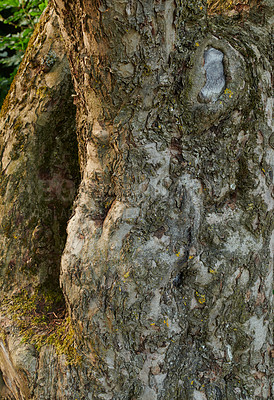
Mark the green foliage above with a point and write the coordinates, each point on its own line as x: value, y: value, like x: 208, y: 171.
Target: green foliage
x: 21, y: 16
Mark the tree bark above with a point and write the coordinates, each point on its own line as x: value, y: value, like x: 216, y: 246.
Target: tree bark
x: 167, y: 267
x: 39, y: 178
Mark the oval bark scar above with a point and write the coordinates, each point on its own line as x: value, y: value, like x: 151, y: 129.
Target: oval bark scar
x: 215, y: 78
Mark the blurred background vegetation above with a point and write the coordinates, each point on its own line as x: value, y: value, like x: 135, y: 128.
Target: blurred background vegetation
x: 17, y: 22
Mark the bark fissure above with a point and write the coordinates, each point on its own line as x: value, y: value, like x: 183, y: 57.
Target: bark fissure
x: 39, y: 178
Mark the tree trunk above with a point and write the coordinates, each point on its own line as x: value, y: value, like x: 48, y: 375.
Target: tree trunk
x: 166, y: 270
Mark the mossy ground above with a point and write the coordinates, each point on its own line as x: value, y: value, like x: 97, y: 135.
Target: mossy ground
x: 41, y: 318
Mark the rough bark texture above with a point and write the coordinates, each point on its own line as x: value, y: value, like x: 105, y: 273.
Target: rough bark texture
x: 166, y: 270
x: 39, y: 178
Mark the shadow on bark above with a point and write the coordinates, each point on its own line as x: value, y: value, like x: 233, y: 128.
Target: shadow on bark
x: 39, y: 180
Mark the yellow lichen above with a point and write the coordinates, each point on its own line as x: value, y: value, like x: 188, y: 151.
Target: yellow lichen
x: 229, y: 92
x: 127, y: 274
x: 200, y: 297
x: 43, y: 92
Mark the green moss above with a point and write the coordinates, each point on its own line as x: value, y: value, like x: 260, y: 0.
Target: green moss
x: 218, y: 7
x: 64, y: 340
x: 40, y: 317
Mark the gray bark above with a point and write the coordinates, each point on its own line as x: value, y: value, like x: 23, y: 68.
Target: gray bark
x: 167, y: 266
